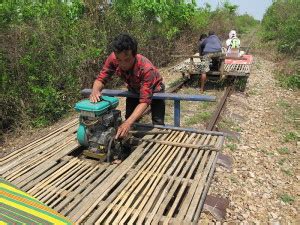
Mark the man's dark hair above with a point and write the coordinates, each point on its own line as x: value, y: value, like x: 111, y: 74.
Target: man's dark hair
x: 202, y: 36
x: 124, y: 42
x: 211, y: 32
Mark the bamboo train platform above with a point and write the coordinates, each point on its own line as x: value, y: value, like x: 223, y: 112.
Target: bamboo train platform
x: 238, y: 68
x: 164, y: 180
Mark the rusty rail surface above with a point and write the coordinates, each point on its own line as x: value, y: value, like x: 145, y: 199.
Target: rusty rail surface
x: 212, y: 123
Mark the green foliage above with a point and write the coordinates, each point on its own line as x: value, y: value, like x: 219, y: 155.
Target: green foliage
x: 286, y: 198
x: 198, y: 118
x: 283, y: 151
x: 43, y: 71
x: 167, y: 18
x: 52, y: 49
x: 281, y: 23
x: 281, y: 27
x: 245, y: 22
x: 287, y: 172
x: 225, y: 18
x: 282, y: 161
x: 290, y: 81
x: 231, y: 8
x: 291, y: 136
x: 232, y: 146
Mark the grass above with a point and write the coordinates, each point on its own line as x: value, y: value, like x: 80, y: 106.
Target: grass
x: 232, y: 146
x: 291, y: 112
x: 284, y: 104
x: 240, y: 83
x: 265, y: 152
x: 281, y: 161
x: 253, y: 92
x: 176, y: 82
x: 286, y: 198
x: 283, y: 151
x: 229, y: 124
x: 234, y: 180
x: 289, y: 81
x: 287, y: 172
x: 198, y: 117
x: 206, y: 105
x: 290, y: 137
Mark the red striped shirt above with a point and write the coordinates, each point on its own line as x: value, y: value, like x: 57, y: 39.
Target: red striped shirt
x: 144, y: 79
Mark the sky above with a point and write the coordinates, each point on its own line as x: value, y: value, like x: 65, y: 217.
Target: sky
x: 255, y: 8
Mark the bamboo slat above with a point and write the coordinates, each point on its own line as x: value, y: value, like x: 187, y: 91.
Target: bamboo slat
x: 164, y: 180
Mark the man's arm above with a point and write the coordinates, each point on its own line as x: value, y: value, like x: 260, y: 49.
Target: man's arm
x: 105, y: 74
x: 146, y: 92
x: 137, y: 113
x: 202, y: 46
x: 96, y: 91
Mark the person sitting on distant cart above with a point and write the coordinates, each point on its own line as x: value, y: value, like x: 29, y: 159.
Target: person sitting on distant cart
x: 209, y: 48
x: 233, y: 44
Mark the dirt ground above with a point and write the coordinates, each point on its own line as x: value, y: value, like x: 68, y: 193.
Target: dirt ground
x: 263, y: 185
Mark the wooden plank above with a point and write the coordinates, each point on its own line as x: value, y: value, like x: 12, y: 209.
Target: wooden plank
x: 57, y: 181
x: 39, y: 141
x: 71, y: 184
x: 73, y: 174
x: 180, y: 172
x: 158, y: 192
x: 187, y: 56
x: 152, y: 179
x: 104, y: 204
x: 28, y: 155
x: 61, y: 154
x: 159, y: 212
x: 63, y: 192
x: 190, y: 167
x: 83, y: 197
x: 28, y: 165
x: 84, y: 187
x: 200, y: 186
x: 190, y: 195
x: 26, y: 178
x: 137, y: 179
x: 31, y: 181
x: 209, y: 179
x: 127, y: 194
x: 90, y: 202
x: 194, y: 202
x: 183, y: 145
x: 52, y: 177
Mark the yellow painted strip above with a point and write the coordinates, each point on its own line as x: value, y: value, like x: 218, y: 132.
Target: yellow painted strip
x: 2, y: 185
x: 3, y: 223
x: 33, y: 212
x: 36, y: 204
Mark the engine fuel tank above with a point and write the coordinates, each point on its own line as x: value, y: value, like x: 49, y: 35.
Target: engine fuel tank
x: 98, y: 108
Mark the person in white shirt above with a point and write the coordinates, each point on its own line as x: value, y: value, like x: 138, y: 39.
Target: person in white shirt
x: 233, y: 44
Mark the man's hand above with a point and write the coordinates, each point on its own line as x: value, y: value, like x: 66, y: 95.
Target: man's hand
x: 96, y: 92
x: 125, y: 127
x: 95, y: 96
x: 123, y: 130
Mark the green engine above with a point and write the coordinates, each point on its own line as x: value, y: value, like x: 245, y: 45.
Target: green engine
x: 98, y: 125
